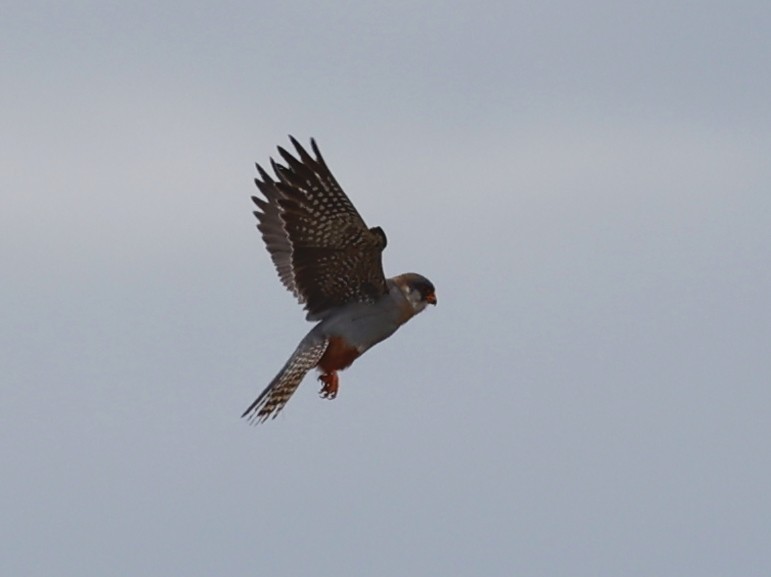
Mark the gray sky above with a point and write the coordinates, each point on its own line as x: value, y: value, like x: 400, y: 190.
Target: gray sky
x: 587, y: 184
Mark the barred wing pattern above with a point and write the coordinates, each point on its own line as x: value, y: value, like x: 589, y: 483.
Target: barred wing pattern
x: 322, y: 249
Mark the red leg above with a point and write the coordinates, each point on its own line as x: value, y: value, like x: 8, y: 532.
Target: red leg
x: 331, y: 383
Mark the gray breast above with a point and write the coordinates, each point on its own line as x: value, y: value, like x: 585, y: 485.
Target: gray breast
x: 363, y: 324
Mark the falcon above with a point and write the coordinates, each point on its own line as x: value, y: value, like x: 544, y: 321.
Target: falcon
x: 331, y: 261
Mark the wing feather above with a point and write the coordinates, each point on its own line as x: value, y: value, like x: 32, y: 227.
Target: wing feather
x: 322, y: 249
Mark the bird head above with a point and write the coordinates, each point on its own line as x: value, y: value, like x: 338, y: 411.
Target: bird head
x: 417, y: 289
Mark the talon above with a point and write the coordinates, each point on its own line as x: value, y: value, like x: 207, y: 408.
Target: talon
x: 331, y: 382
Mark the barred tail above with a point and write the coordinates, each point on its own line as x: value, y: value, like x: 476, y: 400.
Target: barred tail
x: 277, y: 393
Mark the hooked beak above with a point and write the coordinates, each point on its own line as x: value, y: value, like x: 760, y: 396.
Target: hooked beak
x: 431, y: 299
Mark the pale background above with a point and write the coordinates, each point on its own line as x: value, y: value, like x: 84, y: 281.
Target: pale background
x: 588, y: 184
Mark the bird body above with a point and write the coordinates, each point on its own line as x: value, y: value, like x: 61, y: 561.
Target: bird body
x: 330, y: 260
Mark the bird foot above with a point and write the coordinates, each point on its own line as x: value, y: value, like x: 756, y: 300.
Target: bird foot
x: 331, y: 383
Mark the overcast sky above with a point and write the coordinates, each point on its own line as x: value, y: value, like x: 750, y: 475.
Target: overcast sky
x: 588, y: 185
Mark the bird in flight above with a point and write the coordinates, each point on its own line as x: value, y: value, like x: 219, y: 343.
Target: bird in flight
x: 332, y: 263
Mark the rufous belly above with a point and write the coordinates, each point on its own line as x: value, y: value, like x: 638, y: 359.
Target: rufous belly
x: 338, y: 356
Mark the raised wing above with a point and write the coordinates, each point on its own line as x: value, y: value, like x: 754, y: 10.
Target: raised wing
x: 322, y: 249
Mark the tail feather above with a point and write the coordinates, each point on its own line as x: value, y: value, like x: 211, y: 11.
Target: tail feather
x: 277, y: 393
